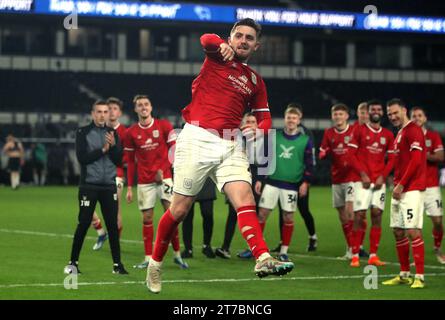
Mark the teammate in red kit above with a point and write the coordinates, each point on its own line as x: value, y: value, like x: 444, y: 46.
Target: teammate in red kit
x: 115, y: 106
x: 223, y: 90
x: 335, y: 143
x: 362, y: 118
x: 407, y: 203
x: 433, y: 196
x: 147, y: 146
x: 362, y: 114
x: 368, y: 148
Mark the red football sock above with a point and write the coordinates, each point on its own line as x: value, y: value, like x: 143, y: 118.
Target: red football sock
x: 437, y: 235
x: 363, y: 231
x: 419, y: 254
x: 403, y: 254
x: 347, y: 228
x: 166, y: 229
x: 374, y: 239
x: 251, y: 230
x: 175, y: 241
x: 355, y: 241
x: 287, y: 230
x: 147, y: 233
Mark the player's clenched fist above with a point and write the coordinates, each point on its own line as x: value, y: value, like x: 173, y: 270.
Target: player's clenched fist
x: 226, y: 51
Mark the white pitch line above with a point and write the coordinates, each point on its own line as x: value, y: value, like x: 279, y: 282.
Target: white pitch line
x: 61, y: 235
x: 345, y: 277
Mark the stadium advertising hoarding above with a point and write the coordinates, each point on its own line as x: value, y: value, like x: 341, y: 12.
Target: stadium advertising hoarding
x: 227, y: 14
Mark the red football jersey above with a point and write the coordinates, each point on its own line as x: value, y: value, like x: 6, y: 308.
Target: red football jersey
x: 121, y: 130
x: 149, y: 146
x: 410, y: 139
x: 372, y: 146
x: 335, y: 143
x: 433, y: 143
x: 223, y: 91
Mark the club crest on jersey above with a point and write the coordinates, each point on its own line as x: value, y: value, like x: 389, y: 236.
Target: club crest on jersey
x: 155, y: 133
x: 382, y: 140
x: 253, y: 76
x: 428, y: 143
x: 347, y: 139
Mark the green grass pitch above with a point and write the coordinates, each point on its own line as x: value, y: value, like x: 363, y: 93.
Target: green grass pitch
x: 36, y: 225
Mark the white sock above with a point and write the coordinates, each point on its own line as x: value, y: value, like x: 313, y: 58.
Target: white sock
x: 101, y: 232
x: 284, y: 249
x: 155, y: 263
x: 177, y: 254
x: 372, y: 255
x: 404, y: 274
x: 147, y: 258
x: 314, y: 237
x: 264, y: 256
x: 419, y: 276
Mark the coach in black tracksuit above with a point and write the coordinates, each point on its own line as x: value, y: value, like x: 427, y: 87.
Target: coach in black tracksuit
x: 98, y: 151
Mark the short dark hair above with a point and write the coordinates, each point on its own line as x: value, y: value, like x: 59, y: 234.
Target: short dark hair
x: 340, y: 107
x: 114, y: 100
x: 140, y: 96
x: 417, y: 108
x: 373, y: 102
x: 396, y: 101
x: 249, y: 114
x: 98, y: 103
x: 250, y: 23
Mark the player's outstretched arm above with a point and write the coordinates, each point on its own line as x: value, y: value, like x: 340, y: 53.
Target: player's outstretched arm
x: 216, y: 48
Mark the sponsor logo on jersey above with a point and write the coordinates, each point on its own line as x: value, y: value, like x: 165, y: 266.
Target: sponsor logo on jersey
x: 139, y: 136
x: 286, y: 154
x: 148, y: 141
x: 243, y: 78
x: 240, y: 85
x: 253, y: 76
x: 155, y: 133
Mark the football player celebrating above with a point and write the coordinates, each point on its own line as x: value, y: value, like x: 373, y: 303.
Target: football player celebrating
x: 335, y: 143
x: 147, y: 146
x: 407, y: 203
x: 369, y: 146
x: 433, y: 196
